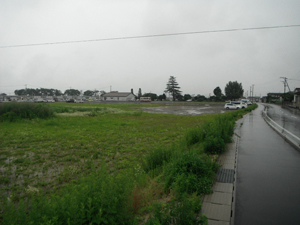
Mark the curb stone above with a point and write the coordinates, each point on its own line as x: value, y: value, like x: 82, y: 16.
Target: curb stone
x: 219, y: 206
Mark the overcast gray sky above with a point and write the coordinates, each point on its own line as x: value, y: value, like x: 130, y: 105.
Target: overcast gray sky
x: 200, y: 62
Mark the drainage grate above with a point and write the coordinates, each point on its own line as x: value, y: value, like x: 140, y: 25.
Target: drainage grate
x: 225, y: 175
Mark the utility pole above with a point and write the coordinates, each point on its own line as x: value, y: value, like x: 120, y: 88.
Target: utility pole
x: 252, y: 92
x: 285, y: 83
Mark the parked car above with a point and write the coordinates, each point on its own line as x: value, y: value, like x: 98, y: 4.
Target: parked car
x: 247, y: 101
x: 70, y: 100
x: 230, y: 106
x: 50, y: 100
x: 240, y: 105
x: 78, y: 101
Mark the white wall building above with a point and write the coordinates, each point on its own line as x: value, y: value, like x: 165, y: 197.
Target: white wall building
x: 119, y: 96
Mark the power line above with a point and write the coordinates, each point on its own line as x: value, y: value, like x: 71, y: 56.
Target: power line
x: 148, y: 36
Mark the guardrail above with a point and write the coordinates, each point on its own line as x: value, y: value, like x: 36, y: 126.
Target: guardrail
x: 287, y: 135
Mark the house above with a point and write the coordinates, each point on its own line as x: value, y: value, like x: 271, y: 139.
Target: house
x: 274, y: 97
x: 119, y: 96
x: 13, y: 98
x: 297, y: 97
x: 60, y: 98
x: 254, y: 98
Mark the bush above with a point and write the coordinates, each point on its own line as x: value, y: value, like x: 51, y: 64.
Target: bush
x: 214, y: 145
x: 190, y: 173
x: 13, y: 111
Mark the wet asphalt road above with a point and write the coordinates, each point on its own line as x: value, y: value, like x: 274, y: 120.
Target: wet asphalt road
x: 268, y: 176
x: 288, y: 118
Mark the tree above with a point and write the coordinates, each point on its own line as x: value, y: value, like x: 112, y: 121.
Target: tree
x: 179, y: 97
x: 288, y: 97
x: 234, y: 90
x: 187, y: 97
x: 151, y: 95
x: 102, y: 93
x: 200, y: 98
x: 88, y: 93
x: 161, y: 97
x: 38, y: 91
x: 72, y: 92
x: 218, y: 93
x: 172, y: 87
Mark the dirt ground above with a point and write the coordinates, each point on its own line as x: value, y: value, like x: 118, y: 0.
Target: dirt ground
x: 186, y: 109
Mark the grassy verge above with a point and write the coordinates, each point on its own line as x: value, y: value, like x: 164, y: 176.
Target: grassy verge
x: 109, y: 165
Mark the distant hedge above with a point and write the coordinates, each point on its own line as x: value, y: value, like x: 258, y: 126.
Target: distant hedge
x: 13, y: 111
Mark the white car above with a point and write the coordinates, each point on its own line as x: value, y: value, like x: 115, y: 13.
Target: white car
x: 240, y: 105
x: 230, y: 106
x: 78, y: 101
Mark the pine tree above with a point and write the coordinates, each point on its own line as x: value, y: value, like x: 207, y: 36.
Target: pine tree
x: 172, y: 87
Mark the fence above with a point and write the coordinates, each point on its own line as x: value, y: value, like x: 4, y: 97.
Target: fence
x: 287, y: 135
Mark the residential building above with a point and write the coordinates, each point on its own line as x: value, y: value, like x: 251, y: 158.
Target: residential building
x: 119, y: 96
x: 297, y: 97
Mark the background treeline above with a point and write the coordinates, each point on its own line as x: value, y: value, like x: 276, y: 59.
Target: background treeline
x: 54, y: 92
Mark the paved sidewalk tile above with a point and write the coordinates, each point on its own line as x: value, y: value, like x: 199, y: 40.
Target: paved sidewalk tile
x: 217, y: 212
x: 228, y: 166
x: 223, y: 187
x: 219, y: 198
x: 217, y: 222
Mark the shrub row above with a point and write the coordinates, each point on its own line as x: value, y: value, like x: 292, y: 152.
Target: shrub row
x: 13, y: 111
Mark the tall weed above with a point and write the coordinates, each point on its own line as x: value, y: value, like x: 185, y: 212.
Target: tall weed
x: 157, y: 157
x: 185, y: 210
x: 190, y: 173
x: 97, y: 199
x: 13, y: 111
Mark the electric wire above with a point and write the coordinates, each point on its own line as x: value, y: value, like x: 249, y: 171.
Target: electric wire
x: 149, y: 36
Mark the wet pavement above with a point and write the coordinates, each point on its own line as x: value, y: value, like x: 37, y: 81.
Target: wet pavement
x: 288, y: 118
x: 268, y: 171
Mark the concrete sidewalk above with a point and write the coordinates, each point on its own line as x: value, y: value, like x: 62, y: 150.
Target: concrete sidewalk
x: 219, y: 206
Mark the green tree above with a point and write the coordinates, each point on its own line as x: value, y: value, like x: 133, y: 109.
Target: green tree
x: 288, y: 97
x: 200, y: 98
x: 161, y: 97
x: 38, y: 91
x: 187, y: 97
x: 179, y: 97
x: 88, y: 93
x: 218, y: 93
x: 234, y: 90
x: 72, y: 92
x: 151, y: 95
x: 172, y: 87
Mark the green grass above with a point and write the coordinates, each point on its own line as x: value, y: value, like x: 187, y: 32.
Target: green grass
x: 51, y: 156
